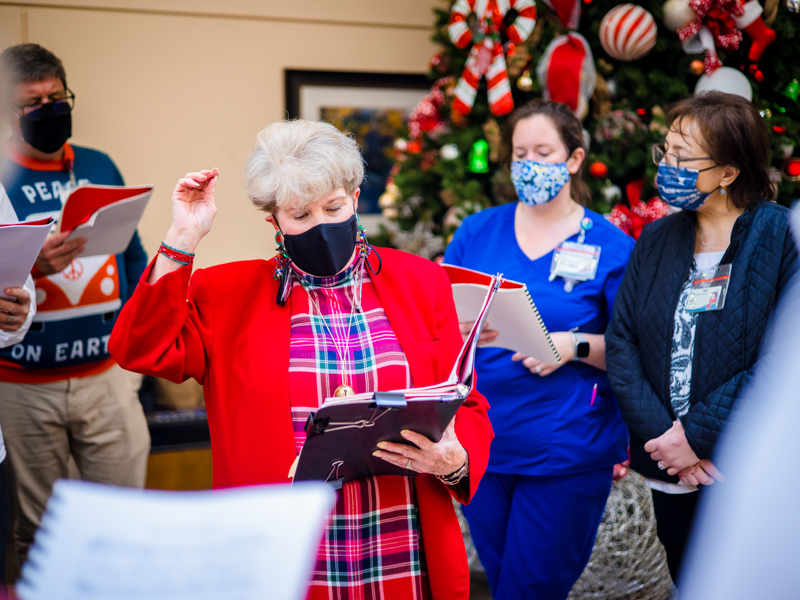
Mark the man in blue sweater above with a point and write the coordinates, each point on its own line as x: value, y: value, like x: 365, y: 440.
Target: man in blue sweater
x: 62, y: 396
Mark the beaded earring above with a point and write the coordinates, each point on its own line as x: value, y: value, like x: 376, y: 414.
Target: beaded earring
x: 282, y: 262
x: 281, y: 258
x: 361, y: 240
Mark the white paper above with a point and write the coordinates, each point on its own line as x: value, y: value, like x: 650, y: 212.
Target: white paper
x: 107, y: 543
x: 110, y: 229
x: 19, y: 246
x: 512, y: 315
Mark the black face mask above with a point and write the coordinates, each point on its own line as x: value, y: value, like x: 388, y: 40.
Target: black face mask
x: 325, y: 249
x: 50, y: 127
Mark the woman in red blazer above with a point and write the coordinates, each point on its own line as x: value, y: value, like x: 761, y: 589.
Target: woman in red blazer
x: 270, y: 341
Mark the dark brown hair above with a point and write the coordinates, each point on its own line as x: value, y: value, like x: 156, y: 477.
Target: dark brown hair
x: 733, y: 134
x: 569, y: 129
x: 30, y: 62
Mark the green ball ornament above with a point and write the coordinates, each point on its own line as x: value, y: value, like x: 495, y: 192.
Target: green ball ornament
x: 478, y: 160
x: 792, y: 90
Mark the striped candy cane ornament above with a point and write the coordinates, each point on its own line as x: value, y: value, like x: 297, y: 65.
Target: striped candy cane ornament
x: 486, y: 58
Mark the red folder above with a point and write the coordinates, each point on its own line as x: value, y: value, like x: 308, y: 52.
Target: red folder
x: 84, y: 201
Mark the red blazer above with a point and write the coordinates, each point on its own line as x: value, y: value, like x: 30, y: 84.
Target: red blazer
x: 224, y: 329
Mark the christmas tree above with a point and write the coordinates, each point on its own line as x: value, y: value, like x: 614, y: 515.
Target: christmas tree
x: 619, y: 66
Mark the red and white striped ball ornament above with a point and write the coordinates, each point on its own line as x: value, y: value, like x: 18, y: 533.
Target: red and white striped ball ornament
x: 628, y: 32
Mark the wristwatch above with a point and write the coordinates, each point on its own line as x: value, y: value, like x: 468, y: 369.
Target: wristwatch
x: 580, y: 345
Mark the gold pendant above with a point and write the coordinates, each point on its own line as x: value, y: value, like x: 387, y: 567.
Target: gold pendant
x: 344, y: 390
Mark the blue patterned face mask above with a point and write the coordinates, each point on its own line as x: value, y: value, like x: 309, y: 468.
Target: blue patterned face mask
x: 678, y: 187
x: 538, y: 182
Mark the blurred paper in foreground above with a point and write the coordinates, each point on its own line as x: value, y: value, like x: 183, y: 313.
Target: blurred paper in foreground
x: 102, y: 542
x: 746, y: 544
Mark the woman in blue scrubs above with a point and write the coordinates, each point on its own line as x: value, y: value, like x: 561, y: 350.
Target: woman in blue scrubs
x: 558, y: 431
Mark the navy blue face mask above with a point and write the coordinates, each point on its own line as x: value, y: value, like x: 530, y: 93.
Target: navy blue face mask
x: 325, y: 249
x: 47, y: 128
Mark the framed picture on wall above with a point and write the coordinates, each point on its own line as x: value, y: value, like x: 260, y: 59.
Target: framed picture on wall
x: 371, y: 106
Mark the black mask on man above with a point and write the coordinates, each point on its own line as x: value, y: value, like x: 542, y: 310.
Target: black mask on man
x: 50, y: 127
x: 324, y: 249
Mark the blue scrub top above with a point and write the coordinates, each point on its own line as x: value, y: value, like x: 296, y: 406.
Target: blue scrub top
x: 547, y: 425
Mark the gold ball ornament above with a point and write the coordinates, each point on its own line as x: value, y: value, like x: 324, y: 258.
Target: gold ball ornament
x: 390, y: 213
x: 696, y: 67
x: 343, y: 391
x: 386, y: 200
x: 525, y: 81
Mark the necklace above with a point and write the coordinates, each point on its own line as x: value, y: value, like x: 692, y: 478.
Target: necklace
x: 345, y: 389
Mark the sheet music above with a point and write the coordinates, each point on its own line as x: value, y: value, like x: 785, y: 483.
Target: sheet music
x: 19, y: 246
x: 108, y: 543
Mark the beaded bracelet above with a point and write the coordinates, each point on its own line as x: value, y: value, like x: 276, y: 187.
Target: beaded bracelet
x: 456, y: 476
x: 179, y: 256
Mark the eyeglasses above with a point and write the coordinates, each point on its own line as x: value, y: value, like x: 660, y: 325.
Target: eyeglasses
x: 59, y: 104
x: 673, y: 163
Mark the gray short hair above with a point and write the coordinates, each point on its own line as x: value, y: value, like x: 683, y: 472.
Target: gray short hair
x: 297, y: 162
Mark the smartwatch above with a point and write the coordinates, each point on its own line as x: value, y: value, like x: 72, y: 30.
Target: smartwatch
x: 580, y: 345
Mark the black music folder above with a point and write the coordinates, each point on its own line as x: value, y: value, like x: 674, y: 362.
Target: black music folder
x: 342, y: 435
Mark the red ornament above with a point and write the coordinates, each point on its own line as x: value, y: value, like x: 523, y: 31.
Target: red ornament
x: 632, y: 220
x: 791, y: 169
x: 641, y: 112
x: 756, y: 73
x: 598, y: 170
x: 414, y: 147
x: 779, y: 129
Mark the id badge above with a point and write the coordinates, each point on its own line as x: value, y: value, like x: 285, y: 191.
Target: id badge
x: 575, y: 261
x: 709, y: 290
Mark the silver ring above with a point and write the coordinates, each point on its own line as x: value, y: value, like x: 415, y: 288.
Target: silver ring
x: 408, y: 464
x: 10, y: 319
x: 538, y: 368
x: 662, y: 466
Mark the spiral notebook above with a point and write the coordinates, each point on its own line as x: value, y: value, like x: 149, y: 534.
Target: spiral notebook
x: 102, y: 542
x: 514, y: 314
x: 342, y: 435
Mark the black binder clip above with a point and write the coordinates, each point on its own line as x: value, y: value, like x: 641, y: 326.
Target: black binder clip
x: 389, y: 400
x: 333, y: 477
x: 318, y: 427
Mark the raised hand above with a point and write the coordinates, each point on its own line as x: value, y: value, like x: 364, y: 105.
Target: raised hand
x: 193, y: 209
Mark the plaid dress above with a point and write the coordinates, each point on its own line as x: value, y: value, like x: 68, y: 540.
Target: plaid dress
x: 371, y: 547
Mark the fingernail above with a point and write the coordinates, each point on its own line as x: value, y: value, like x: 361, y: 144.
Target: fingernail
x: 382, y: 445
x: 404, y: 432
x: 376, y: 453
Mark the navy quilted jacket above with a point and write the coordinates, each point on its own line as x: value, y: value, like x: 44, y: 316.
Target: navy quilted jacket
x: 727, y: 342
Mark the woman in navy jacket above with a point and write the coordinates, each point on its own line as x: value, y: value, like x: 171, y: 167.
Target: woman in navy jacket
x: 695, y: 302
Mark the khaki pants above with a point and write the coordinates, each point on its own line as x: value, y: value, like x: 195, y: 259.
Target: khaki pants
x: 96, y: 421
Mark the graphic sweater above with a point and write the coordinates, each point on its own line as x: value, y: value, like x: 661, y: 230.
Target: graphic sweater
x: 76, y: 308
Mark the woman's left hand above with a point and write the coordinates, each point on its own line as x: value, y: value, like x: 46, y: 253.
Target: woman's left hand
x: 442, y: 458
x: 563, y: 343
x: 671, y: 450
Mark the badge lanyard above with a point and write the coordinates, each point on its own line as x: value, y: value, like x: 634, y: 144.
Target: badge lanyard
x: 575, y: 261
x: 709, y: 290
